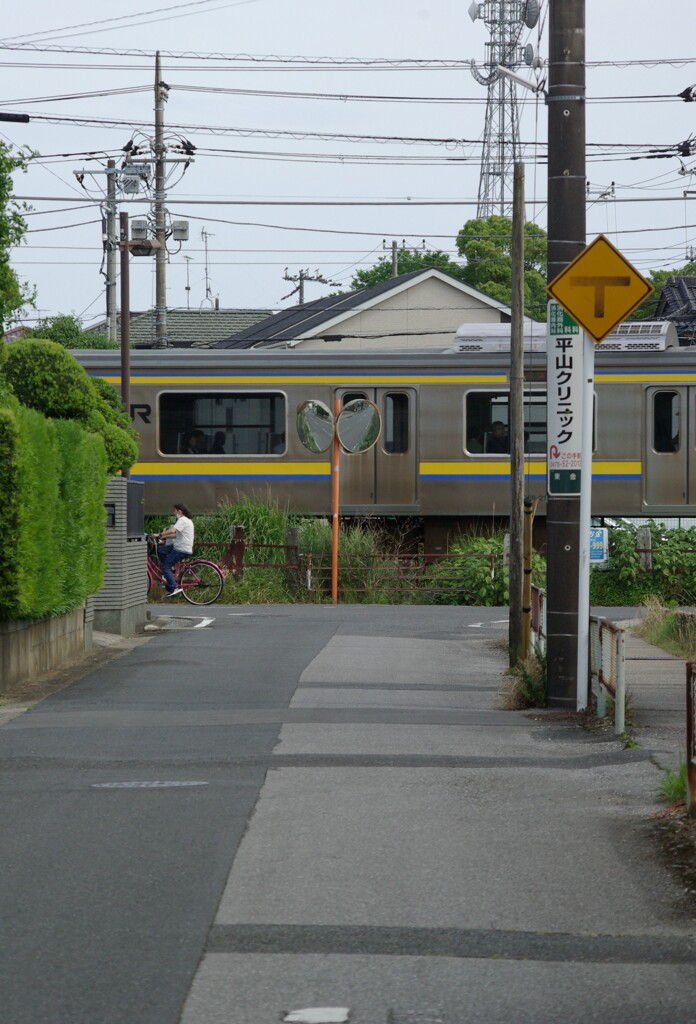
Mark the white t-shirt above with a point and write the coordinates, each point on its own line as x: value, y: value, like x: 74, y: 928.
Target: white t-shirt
x: 183, y: 540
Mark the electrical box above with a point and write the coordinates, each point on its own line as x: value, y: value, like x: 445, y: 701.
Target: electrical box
x: 180, y: 230
x: 138, y: 229
x: 133, y: 176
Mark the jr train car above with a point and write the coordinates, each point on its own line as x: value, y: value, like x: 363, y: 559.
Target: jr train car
x: 216, y: 424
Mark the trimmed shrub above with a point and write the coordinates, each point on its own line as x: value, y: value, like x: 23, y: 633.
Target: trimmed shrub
x: 82, y: 485
x: 10, y: 506
x: 52, y: 478
x: 44, y: 376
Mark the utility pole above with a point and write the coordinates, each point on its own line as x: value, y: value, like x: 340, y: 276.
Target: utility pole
x: 299, y: 279
x: 111, y: 252
x: 160, y: 224
x: 566, y: 239
x: 516, y: 424
x: 395, y: 259
x: 125, y: 313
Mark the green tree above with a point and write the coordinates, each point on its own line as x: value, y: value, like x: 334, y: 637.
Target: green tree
x: 658, y: 279
x: 407, y: 261
x: 69, y: 332
x: 14, y: 294
x: 486, y: 245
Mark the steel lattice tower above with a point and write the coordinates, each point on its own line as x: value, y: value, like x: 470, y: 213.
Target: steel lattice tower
x: 505, y: 20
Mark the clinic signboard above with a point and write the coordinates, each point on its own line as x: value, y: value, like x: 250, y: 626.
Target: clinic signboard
x: 564, y: 382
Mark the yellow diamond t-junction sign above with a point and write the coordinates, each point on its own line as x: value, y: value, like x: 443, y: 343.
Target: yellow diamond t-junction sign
x: 599, y: 288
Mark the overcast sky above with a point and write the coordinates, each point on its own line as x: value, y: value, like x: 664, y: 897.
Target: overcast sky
x: 247, y: 259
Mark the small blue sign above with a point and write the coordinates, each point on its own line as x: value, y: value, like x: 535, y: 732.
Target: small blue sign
x: 599, y: 545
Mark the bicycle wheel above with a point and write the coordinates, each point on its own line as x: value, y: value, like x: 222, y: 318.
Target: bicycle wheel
x: 201, y: 582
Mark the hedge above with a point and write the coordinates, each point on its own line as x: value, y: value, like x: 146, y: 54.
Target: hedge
x: 53, y: 479
x: 46, y: 377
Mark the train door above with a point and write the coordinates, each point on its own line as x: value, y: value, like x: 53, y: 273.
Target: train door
x: 670, y: 458
x: 385, y: 477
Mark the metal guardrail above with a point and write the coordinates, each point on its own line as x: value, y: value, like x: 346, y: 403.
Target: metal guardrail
x: 607, y: 669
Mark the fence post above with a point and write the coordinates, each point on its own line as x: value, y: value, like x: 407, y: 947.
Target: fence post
x: 644, y: 547
x: 292, y: 556
x: 690, y: 739
x: 620, y: 686
x: 236, y: 551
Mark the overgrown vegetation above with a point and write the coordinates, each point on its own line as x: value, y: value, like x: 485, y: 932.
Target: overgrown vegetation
x: 672, y: 578
x: 527, y: 683
x: 668, y: 628
x: 673, y: 785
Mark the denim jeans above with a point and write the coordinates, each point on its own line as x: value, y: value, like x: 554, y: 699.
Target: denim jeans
x: 169, y: 557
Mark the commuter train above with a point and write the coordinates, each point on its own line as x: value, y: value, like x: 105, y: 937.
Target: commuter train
x: 217, y: 424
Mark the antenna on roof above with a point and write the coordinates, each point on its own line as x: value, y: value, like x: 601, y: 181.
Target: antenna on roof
x: 188, y: 283
x: 205, y: 235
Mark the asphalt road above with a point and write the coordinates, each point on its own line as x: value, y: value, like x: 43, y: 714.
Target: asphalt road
x: 316, y: 803
x: 107, y: 892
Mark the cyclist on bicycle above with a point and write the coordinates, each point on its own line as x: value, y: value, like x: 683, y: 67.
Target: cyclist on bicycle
x: 181, y: 534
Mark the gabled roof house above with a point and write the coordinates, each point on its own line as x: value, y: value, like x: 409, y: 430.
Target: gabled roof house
x: 413, y: 311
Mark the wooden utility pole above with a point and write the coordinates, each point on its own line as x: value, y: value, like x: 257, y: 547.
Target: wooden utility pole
x: 160, y: 223
x: 516, y: 424
x: 566, y: 238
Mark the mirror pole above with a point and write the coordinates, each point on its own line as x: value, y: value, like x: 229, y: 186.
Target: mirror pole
x: 335, y: 503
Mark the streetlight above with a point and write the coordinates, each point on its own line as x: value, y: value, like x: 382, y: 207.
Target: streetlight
x: 127, y: 247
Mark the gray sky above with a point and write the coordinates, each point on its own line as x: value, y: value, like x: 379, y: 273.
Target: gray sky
x: 247, y: 260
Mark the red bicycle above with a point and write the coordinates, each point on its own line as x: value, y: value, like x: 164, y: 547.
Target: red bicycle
x: 201, y: 581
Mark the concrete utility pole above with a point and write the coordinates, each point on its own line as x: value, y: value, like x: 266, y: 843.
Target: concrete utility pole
x: 299, y: 279
x: 160, y: 223
x: 111, y: 252
x: 566, y: 238
x: 516, y: 424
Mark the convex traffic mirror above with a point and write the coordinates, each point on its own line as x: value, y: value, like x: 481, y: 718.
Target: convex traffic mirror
x: 358, y: 426
x: 315, y: 426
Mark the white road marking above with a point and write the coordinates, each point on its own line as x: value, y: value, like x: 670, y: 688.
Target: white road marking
x: 144, y: 785
x: 202, y: 623
x: 490, y: 622
x: 318, y: 1015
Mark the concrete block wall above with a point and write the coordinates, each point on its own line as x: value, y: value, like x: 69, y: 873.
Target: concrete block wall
x: 32, y: 649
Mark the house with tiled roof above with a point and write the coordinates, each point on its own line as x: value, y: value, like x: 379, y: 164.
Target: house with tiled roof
x: 189, y: 328
x: 678, y: 303
x: 418, y: 310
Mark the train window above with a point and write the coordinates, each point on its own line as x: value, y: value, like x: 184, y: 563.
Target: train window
x: 666, y: 421
x: 221, y: 423
x: 488, y: 417
x: 352, y: 396
x: 395, y: 423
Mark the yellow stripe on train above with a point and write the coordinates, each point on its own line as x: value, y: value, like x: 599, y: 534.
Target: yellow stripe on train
x: 238, y: 468
x: 536, y: 466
